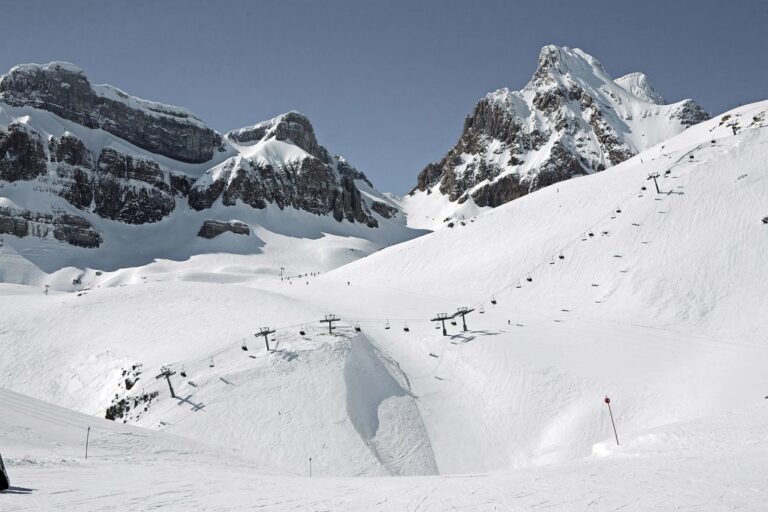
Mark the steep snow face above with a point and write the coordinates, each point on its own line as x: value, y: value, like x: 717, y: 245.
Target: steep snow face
x: 571, y: 119
x: 639, y: 86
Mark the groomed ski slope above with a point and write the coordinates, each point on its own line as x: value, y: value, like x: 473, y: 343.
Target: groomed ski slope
x: 664, y: 316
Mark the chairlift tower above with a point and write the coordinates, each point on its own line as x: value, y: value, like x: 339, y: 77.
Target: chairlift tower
x: 463, y: 312
x: 329, y: 319
x: 166, y: 372
x: 265, y: 331
x: 653, y: 176
x: 442, y: 317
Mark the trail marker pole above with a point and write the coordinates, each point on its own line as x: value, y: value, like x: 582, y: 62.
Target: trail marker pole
x: 329, y: 319
x: 166, y: 372
x: 463, y: 312
x: 87, y: 438
x: 608, y: 403
x: 441, y: 317
x: 265, y: 331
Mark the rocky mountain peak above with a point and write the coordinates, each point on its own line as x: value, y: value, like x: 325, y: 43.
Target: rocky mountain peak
x: 560, y: 61
x: 570, y: 119
x: 292, y: 126
x: 639, y: 86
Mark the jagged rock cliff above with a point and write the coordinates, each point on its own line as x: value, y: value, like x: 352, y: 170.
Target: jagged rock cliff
x: 570, y: 119
x: 64, y: 89
x: 134, y: 161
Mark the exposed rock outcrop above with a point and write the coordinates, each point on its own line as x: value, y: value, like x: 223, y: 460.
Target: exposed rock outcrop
x: 67, y: 228
x: 213, y: 228
x: 64, y: 89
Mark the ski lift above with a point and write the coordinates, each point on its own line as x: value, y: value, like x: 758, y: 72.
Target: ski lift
x: 618, y: 209
x: 183, y: 372
x: 244, y: 347
x: 210, y: 363
x: 481, y: 310
x: 386, y: 324
x: 529, y: 279
x: 493, y: 300
x: 405, y: 327
x: 302, y: 331
x: 561, y: 256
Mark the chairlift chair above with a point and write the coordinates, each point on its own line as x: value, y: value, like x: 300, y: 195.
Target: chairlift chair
x: 453, y: 322
x: 493, y: 300
x: 210, y: 363
x: 529, y: 279
x: 561, y: 256
x: 405, y: 327
x: 386, y: 324
x: 183, y: 372
x: 519, y: 284
x: 302, y: 331
x: 481, y: 310
x: 357, y: 328
x: 244, y: 347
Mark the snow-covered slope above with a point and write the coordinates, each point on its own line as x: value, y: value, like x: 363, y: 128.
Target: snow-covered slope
x: 660, y: 308
x: 571, y: 119
x: 93, y: 177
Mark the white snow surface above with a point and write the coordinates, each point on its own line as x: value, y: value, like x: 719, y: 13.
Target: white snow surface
x: 662, y: 310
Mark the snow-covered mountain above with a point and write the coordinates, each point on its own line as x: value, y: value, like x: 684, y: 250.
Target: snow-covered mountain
x: 603, y: 287
x: 571, y: 119
x: 90, y: 166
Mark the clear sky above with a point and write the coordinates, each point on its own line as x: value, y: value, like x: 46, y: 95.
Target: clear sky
x: 386, y: 83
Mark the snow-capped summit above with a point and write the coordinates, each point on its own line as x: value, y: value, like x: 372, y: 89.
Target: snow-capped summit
x: 570, y: 119
x: 638, y: 85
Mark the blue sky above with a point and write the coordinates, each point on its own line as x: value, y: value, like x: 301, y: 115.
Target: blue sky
x: 387, y: 84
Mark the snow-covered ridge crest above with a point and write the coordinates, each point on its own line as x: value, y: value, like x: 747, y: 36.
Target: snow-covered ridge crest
x: 638, y: 85
x: 570, y: 119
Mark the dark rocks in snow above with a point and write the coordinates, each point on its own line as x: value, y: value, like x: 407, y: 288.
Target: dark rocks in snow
x: 213, y: 228
x: 384, y: 209
x: 131, y: 190
x: 22, y: 154
x: 67, y: 228
x: 64, y: 89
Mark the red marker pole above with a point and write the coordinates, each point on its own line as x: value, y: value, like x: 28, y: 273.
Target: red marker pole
x: 608, y: 403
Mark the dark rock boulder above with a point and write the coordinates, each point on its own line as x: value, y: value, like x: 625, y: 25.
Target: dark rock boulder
x: 213, y: 228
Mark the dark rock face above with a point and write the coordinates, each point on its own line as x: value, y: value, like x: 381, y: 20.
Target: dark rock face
x: 64, y: 227
x: 384, y: 210
x: 22, y: 154
x: 65, y: 90
x: 213, y: 228
x: 581, y: 125
x: 309, y: 185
